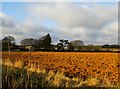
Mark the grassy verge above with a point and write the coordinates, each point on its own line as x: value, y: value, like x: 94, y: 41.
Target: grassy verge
x: 18, y: 75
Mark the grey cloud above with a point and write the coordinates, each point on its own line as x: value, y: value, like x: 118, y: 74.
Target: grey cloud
x: 95, y: 24
x: 91, y: 22
x: 21, y: 31
x: 6, y: 23
x: 70, y: 15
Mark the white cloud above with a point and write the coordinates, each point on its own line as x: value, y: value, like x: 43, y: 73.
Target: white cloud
x: 80, y: 21
x: 71, y: 15
x: 95, y: 23
x: 111, y: 29
x: 20, y: 31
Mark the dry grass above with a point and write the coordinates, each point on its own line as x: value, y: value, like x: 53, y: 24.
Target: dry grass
x: 69, y: 69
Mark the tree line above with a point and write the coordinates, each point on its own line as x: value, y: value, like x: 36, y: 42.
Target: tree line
x: 44, y: 44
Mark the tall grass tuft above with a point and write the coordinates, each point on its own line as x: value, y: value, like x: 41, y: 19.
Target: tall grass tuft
x: 17, y: 75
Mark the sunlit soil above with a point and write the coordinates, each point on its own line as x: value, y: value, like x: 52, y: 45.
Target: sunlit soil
x: 97, y: 68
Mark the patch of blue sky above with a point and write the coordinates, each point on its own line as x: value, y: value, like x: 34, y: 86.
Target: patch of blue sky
x: 108, y: 3
x: 15, y: 10
x: 18, y: 11
x: 0, y: 6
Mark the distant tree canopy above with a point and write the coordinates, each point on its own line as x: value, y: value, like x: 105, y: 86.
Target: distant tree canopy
x: 8, y: 39
x: 28, y: 41
x: 111, y: 46
x: 65, y: 45
x: 64, y: 42
x: 43, y: 42
x: 8, y: 42
x: 77, y: 43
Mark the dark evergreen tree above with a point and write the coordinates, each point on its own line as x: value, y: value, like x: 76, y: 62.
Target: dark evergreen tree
x: 45, y: 42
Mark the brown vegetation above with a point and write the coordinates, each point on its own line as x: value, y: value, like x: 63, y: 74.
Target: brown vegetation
x: 81, y: 69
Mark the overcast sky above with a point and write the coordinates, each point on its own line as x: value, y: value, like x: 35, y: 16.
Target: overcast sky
x: 93, y: 22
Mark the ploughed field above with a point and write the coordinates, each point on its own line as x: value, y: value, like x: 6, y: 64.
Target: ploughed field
x: 83, y: 65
